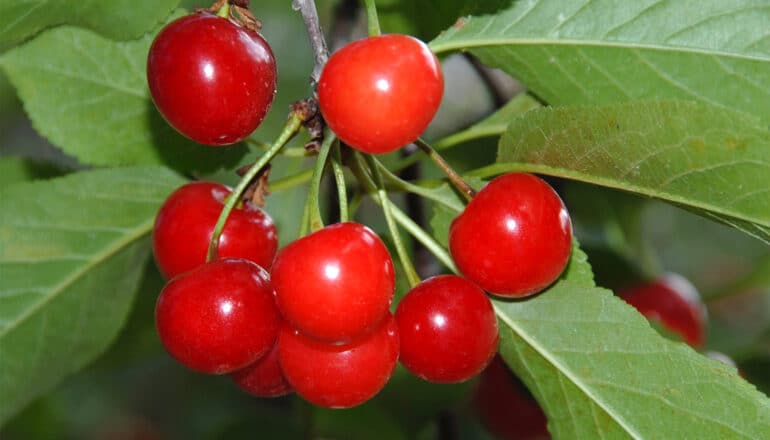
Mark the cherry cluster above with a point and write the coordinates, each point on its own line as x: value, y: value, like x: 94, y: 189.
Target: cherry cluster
x: 315, y: 316
x: 319, y: 322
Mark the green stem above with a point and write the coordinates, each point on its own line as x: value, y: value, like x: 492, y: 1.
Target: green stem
x: 443, y: 144
x: 371, y: 18
x: 288, y: 152
x: 304, y: 222
x: 224, y: 11
x: 316, y: 220
x: 354, y: 203
x: 339, y: 177
x: 403, y: 219
x: 403, y: 255
x: 423, y: 237
x: 403, y: 185
x: 290, y: 182
x: 289, y: 130
x: 455, y: 178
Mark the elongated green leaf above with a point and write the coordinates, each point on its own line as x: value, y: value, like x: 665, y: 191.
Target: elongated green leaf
x: 120, y: 19
x: 89, y: 96
x: 600, y: 371
x: 602, y: 51
x: 493, y: 125
x: 72, y: 251
x: 711, y: 160
x: 426, y: 18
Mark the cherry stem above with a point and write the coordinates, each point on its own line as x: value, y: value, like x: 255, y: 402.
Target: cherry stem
x: 288, y: 152
x: 404, y: 185
x: 289, y: 130
x: 455, y: 178
x: 339, y: 178
x: 403, y: 219
x: 224, y: 11
x: 411, y: 273
x: 317, y: 42
x: 371, y: 18
x: 314, y: 208
x: 304, y: 222
x: 290, y: 182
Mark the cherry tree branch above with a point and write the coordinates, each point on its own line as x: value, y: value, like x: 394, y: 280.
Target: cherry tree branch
x: 317, y: 42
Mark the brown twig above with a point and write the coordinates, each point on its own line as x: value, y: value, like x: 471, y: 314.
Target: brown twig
x: 317, y: 42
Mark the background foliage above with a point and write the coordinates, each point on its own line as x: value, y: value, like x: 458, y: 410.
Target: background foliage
x: 649, y: 116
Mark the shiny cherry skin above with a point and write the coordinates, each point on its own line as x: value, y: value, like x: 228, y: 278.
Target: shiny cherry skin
x: 448, y: 329
x: 218, y: 318
x: 505, y: 406
x: 514, y: 237
x: 336, y: 283
x: 673, y: 302
x: 380, y: 93
x: 212, y: 80
x: 339, y: 376
x: 186, y: 221
x: 263, y: 378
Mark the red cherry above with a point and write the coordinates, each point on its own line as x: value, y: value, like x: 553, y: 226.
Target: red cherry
x: 514, y: 238
x: 506, y: 407
x: 186, y: 221
x: 339, y: 376
x: 263, y: 378
x: 448, y: 329
x: 212, y: 80
x: 219, y: 317
x: 380, y: 93
x: 334, y: 284
x: 673, y: 302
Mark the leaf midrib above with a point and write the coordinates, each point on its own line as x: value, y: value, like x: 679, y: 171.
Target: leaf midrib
x: 471, y: 43
x: 566, y: 372
x: 115, y: 247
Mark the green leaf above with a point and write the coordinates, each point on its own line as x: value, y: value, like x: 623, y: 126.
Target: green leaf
x: 599, y: 370
x: 426, y: 18
x: 72, y: 253
x: 89, y: 96
x: 609, y: 226
x: 707, y: 159
x: 119, y: 19
x: 14, y: 169
x: 493, y: 125
x: 568, y: 52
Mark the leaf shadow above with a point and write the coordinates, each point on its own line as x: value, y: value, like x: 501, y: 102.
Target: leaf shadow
x: 186, y: 156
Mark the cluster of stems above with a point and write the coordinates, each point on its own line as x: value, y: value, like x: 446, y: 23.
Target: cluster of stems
x: 372, y: 176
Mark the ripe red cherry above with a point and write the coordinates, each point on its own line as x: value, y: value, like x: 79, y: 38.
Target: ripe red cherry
x: 505, y: 406
x: 514, y: 238
x: 186, y: 221
x: 263, y: 378
x: 380, y: 93
x: 339, y: 376
x: 673, y: 302
x: 336, y: 283
x: 218, y: 318
x: 448, y: 329
x: 212, y: 80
